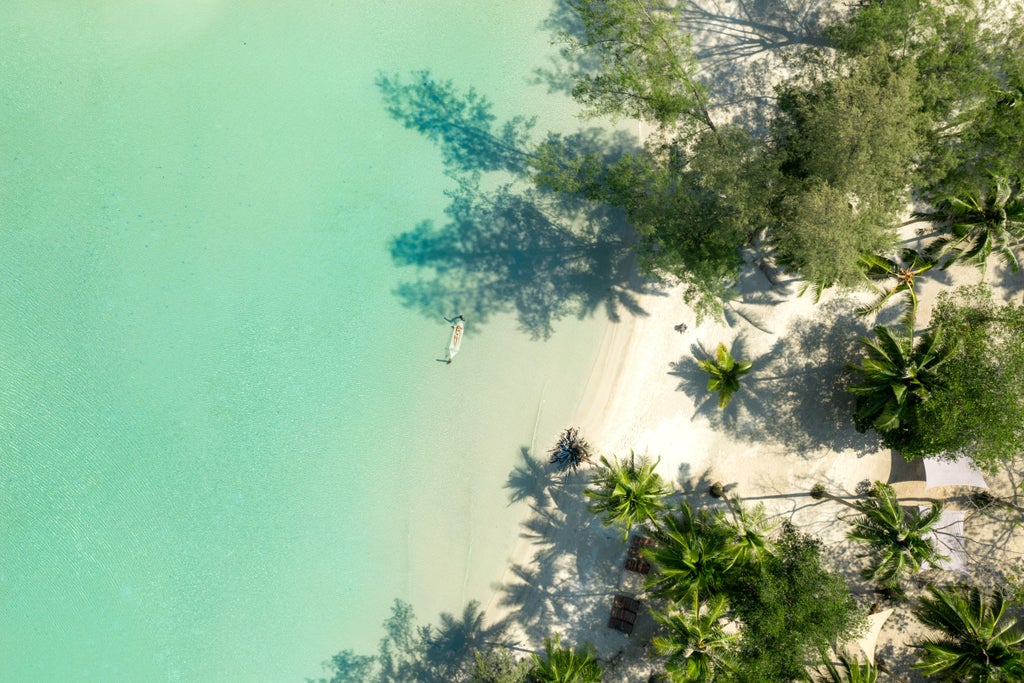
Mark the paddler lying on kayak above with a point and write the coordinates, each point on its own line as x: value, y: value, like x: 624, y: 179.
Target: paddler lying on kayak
x: 458, y: 325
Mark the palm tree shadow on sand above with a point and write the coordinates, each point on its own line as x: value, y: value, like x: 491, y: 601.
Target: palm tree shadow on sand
x: 795, y: 395
x: 507, y: 246
x: 537, y: 594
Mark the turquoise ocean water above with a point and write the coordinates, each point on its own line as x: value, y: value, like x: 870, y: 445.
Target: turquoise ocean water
x: 225, y: 444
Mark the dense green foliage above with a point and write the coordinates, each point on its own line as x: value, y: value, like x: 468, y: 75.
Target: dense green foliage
x: 981, y: 222
x: 791, y: 609
x: 978, y: 407
x: 697, y: 645
x: 694, y: 206
x: 898, y: 375
x: 710, y: 569
x: 976, y: 643
x: 644, y: 68
x: 905, y: 273
x: 919, y: 96
x: 564, y: 665
x: 627, y: 492
x: 898, y: 539
x: 692, y: 557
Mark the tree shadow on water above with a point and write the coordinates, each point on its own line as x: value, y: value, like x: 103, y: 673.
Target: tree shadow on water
x: 510, y: 247
x: 519, y: 250
x: 432, y: 653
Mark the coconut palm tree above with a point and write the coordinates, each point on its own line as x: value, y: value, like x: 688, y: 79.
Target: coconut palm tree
x: 692, y: 556
x: 565, y: 665
x: 750, y: 527
x: 981, y: 222
x: 819, y: 492
x: 897, y: 538
x: 905, y: 272
x: 571, y: 451
x: 976, y: 643
x: 898, y: 373
x: 848, y: 670
x: 697, y: 646
x: 627, y: 493
x: 725, y: 373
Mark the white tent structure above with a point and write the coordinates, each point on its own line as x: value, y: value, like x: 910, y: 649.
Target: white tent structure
x: 948, y: 534
x: 960, y: 472
x: 868, y: 641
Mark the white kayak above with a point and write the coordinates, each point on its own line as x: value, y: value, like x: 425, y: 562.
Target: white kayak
x: 456, y: 341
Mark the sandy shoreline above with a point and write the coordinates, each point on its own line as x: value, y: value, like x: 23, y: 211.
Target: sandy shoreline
x: 789, y: 428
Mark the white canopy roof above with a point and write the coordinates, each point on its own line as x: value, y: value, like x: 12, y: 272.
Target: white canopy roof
x: 868, y: 641
x: 960, y: 472
x: 948, y: 534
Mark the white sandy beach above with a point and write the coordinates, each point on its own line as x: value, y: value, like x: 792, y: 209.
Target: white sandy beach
x: 789, y: 428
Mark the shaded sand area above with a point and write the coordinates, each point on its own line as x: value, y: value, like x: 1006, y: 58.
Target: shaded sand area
x: 790, y: 426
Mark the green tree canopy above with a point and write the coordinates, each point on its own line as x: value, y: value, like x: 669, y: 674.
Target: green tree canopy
x: 565, y: 665
x: 981, y: 222
x: 898, y: 539
x: 697, y: 645
x: 977, y: 409
x: 846, y: 139
x: 898, y: 375
x: 694, y: 204
x: 725, y: 373
x: 791, y: 610
x: 627, y: 492
x: 975, y: 643
x: 693, y: 556
x: 644, y: 66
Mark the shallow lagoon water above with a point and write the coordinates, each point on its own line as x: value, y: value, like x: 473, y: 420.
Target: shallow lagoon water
x: 227, y: 445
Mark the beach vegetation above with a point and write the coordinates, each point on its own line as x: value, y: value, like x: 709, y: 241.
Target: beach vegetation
x: 977, y: 408
x: 638, y: 63
x: 790, y: 609
x: 561, y: 664
x: 694, y: 204
x: 692, y: 557
x: 980, y: 222
x: 976, y: 640
x: 499, y: 665
x: 698, y: 647
x: 725, y: 372
x: 969, y: 75
x: 627, y: 492
x: 751, y: 529
x: 897, y: 373
x: 846, y: 136
x: 847, y: 669
x: 570, y: 452
x: 900, y: 540
x: 904, y: 272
